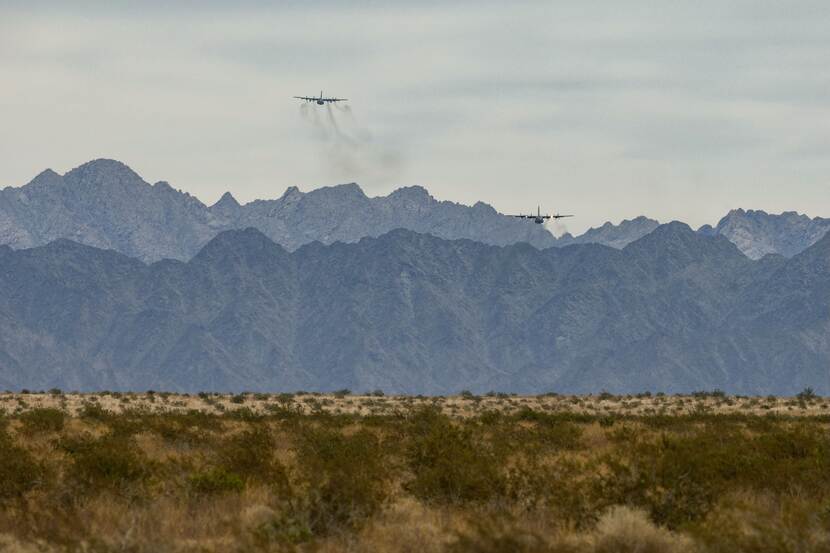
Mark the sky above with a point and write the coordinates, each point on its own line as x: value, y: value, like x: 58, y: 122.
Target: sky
x: 604, y: 109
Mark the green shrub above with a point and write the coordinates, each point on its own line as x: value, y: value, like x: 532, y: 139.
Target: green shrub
x: 214, y: 481
x: 111, y: 462
x: 551, y: 431
x: 250, y: 455
x: 19, y: 471
x: 42, y: 419
x: 679, y: 477
x: 448, y: 463
x: 345, y: 477
x: 92, y: 410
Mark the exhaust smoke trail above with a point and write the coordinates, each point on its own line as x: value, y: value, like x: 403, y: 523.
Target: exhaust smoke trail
x: 556, y: 228
x: 348, y: 149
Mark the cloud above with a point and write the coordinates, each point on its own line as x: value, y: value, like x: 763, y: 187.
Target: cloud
x: 605, y: 109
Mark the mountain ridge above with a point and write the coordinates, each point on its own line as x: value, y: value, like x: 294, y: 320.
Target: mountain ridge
x: 104, y: 203
x: 413, y: 313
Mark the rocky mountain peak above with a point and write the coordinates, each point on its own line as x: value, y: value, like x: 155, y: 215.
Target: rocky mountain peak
x: 104, y: 173
x: 45, y: 179
x: 291, y: 194
x: 412, y: 193
x: 350, y: 189
x: 757, y: 233
x: 226, y: 201
x: 105, y: 203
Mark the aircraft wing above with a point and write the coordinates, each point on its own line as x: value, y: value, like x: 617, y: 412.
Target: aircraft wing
x: 557, y: 216
x: 524, y: 216
x: 306, y: 98
x: 335, y: 99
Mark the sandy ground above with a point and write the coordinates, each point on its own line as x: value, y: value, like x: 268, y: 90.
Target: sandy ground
x: 460, y: 406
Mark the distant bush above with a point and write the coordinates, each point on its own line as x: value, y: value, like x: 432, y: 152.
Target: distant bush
x: 92, y: 410
x: 702, y: 394
x: 807, y: 394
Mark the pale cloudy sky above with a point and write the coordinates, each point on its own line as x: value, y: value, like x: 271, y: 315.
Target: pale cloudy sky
x: 606, y: 109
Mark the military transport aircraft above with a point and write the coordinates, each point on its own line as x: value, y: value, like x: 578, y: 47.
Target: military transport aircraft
x: 539, y: 218
x: 320, y: 100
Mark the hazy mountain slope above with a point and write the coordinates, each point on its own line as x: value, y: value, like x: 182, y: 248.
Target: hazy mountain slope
x: 105, y: 204
x: 785, y: 322
x: 757, y: 233
x: 413, y: 313
x: 616, y: 236
x: 345, y: 214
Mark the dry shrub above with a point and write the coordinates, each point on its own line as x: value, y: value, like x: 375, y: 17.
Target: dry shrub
x: 407, y: 526
x: 619, y: 530
x: 502, y: 532
x: 625, y: 530
x: 10, y: 544
x: 345, y: 477
x: 560, y: 487
x: 773, y: 524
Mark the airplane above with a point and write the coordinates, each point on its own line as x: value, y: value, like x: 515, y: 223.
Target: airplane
x: 539, y: 218
x: 320, y: 100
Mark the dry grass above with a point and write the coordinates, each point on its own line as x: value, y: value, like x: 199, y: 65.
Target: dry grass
x: 162, y: 472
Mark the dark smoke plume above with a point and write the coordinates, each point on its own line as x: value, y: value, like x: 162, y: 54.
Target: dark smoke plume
x: 348, y: 149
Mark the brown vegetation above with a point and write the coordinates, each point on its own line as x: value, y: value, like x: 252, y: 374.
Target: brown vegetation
x: 161, y: 472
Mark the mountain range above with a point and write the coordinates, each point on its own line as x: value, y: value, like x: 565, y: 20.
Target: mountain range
x: 675, y: 310
x: 103, y: 203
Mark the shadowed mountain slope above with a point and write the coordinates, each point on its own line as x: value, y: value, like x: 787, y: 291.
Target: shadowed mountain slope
x: 408, y: 312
